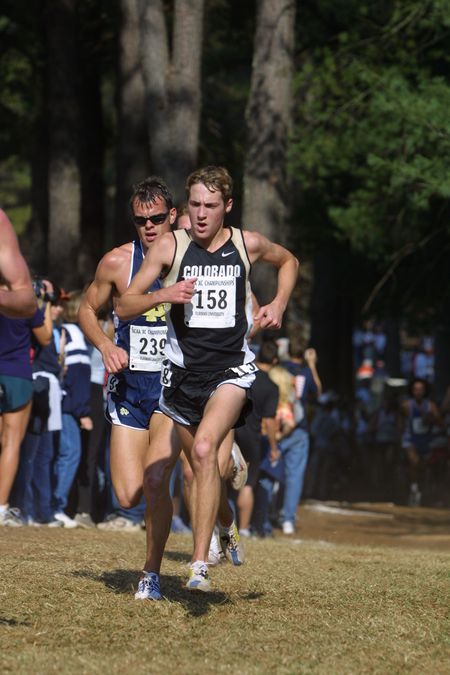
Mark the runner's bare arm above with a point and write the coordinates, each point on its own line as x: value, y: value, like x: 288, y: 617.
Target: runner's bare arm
x: 260, y: 248
x: 97, y: 295
x: 256, y: 325
x: 136, y: 300
x: 18, y: 299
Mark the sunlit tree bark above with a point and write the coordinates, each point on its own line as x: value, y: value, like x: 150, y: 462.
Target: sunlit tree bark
x: 268, y: 115
x: 172, y: 80
x: 133, y: 162
x: 63, y: 115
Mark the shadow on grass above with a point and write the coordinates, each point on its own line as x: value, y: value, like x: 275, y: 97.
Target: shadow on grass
x: 4, y: 621
x: 125, y: 582
x: 177, y: 556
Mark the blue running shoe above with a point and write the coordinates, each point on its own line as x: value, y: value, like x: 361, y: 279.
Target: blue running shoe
x: 148, y: 587
x: 199, y: 577
x: 231, y: 544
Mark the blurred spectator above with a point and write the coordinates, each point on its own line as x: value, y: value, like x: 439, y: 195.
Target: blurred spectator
x: 384, y: 432
x: 90, y: 499
x: 76, y: 409
x: 295, y: 446
x: 363, y: 386
x: 264, y: 395
x: 324, y: 434
x: 423, y: 360
x: 16, y: 392
x: 183, y: 221
x: 32, y: 492
x: 420, y: 415
x: 369, y: 345
x: 445, y: 410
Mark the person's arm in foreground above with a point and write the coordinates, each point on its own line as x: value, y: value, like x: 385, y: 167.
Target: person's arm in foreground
x: 136, y: 300
x: 97, y: 295
x: 19, y: 299
x: 260, y: 248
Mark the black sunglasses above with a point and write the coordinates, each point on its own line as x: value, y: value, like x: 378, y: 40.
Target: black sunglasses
x: 156, y: 220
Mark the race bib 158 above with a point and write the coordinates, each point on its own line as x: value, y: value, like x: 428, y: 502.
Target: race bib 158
x: 213, y: 305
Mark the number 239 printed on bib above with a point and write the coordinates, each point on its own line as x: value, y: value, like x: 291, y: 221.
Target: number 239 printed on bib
x: 147, y: 347
x: 213, y: 304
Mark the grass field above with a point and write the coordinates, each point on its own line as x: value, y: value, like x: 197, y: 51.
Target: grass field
x: 67, y: 606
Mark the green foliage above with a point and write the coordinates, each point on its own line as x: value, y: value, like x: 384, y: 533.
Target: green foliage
x: 371, y: 141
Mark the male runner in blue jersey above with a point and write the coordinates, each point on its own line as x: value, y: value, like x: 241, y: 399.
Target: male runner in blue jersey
x: 133, y: 361
x: 209, y: 365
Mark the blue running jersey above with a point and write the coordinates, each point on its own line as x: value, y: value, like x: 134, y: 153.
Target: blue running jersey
x: 145, y: 336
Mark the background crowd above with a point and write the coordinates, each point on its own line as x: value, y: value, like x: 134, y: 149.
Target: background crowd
x: 390, y: 443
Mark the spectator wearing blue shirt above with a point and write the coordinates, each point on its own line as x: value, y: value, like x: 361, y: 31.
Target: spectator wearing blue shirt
x: 302, y: 365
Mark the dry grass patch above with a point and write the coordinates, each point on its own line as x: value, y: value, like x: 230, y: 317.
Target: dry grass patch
x: 66, y: 606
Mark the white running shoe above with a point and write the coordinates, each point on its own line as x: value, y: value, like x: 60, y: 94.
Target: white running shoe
x: 84, y: 520
x: 54, y: 523
x: 65, y: 520
x: 32, y: 523
x: 215, y: 553
x: 231, y: 544
x: 11, y: 517
x: 198, y: 577
x: 240, y: 469
x: 288, y: 527
x: 149, y: 587
x: 119, y: 523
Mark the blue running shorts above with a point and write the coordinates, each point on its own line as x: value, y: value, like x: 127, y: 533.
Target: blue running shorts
x: 132, y: 398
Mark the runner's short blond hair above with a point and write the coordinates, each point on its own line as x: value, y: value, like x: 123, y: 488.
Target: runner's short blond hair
x: 215, y: 178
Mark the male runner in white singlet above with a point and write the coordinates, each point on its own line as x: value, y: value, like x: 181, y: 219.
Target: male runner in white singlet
x: 209, y: 365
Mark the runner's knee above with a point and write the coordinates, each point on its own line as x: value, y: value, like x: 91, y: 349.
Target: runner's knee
x: 203, y: 451
x: 157, y: 477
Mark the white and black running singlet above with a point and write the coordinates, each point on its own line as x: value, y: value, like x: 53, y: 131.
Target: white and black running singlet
x: 210, y: 332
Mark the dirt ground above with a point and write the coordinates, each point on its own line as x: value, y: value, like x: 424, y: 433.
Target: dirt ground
x: 374, y: 524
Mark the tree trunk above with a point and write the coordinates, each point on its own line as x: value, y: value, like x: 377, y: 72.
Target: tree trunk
x: 34, y: 240
x: 133, y: 161
x: 35, y: 244
x: 92, y: 151
x: 63, y: 115
x: 268, y: 115
x: 392, y: 352
x: 173, y: 88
